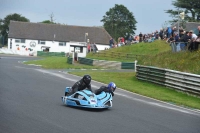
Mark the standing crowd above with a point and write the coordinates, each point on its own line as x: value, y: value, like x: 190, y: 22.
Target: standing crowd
x: 183, y: 40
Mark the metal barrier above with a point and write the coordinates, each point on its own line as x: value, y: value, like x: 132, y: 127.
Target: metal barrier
x: 70, y: 60
x: 128, y: 65
x: 173, y: 79
x: 85, y: 61
x: 59, y: 54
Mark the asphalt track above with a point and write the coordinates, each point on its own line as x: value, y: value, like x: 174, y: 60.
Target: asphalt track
x: 30, y: 102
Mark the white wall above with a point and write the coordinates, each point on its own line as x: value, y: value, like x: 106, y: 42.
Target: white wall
x: 102, y: 47
x: 54, y: 46
x: 17, y: 52
x: 84, y: 52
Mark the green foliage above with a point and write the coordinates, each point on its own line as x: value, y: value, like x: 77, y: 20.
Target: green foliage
x: 119, y: 22
x: 48, y: 22
x: 191, y: 9
x: 181, y: 61
x: 146, y: 49
x: 58, y: 63
x: 158, y: 54
x: 4, y: 26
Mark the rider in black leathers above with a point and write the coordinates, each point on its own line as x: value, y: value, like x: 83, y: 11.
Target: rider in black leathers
x: 81, y: 85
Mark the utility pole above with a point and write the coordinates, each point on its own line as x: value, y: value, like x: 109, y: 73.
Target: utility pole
x: 178, y: 21
x: 51, y: 18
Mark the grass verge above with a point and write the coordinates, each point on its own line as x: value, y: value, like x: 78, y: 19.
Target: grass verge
x: 59, y: 63
x: 128, y: 81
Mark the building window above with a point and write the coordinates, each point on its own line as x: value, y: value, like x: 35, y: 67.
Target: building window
x: 20, y: 40
x: 62, y: 43
x: 79, y: 49
x: 41, y: 42
x: 10, y: 45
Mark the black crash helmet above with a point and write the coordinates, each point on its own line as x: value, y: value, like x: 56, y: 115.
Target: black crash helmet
x: 87, y: 79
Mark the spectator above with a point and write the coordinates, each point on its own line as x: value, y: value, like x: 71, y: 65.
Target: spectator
x: 193, y: 38
x: 169, y: 32
x: 140, y: 37
x: 174, y: 30
x: 156, y: 35
x: 176, y: 38
x: 137, y: 38
x: 122, y: 40
x: 88, y: 47
x: 161, y: 34
x: 185, y: 38
x: 115, y: 45
x: 197, y: 42
x: 171, y: 39
x: 177, y: 41
x: 181, y: 32
x: 95, y: 48
x: 172, y: 43
x: 130, y: 39
x: 119, y: 44
x: 143, y: 37
x: 198, y: 29
x: 111, y: 42
x: 151, y: 38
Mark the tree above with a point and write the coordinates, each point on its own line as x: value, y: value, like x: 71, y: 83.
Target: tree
x: 119, y: 22
x: 48, y: 22
x: 4, y: 24
x: 190, y: 7
x: 51, y: 21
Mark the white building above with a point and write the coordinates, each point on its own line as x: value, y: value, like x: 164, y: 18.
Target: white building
x: 26, y: 36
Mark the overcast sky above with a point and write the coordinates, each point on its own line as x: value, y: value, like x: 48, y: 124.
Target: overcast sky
x: 150, y: 14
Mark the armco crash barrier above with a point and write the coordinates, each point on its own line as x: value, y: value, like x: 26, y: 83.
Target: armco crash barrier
x: 85, y: 61
x: 70, y: 60
x: 173, y: 79
x: 59, y: 54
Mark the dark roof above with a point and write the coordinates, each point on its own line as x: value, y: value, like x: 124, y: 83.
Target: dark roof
x: 190, y: 26
x: 42, y: 31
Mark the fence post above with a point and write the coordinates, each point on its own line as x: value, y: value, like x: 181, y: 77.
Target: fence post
x: 135, y: 65
x: 72, y: 57
x: 77, y: 57
x: 173, y: 46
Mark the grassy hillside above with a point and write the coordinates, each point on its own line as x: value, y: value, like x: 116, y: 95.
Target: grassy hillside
x: 156, y: 54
